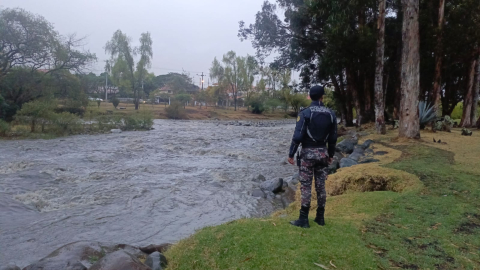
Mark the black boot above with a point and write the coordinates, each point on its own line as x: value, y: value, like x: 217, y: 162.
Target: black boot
x: 302, y: 221
x: 320, y: 219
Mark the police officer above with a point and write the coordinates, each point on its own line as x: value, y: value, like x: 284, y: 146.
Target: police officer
x: 316, y: 128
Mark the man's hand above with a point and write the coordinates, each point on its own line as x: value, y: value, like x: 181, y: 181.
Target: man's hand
x: 330, y: 161
x: 291, y: 161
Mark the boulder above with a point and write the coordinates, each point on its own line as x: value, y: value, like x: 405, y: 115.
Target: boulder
x: 116, y: 131
x: 346, y: 146
x: 156, y: 261
x: 156, y: 248
x: 381, y: 153
x: 357, y: 154
x: 119, y: 260
x: 258, y: 193
x: 10, y: 267
x: 274, y: 185
x: 77, y: 266
x: 259, y: 178
x: 367, y: 160
x: 347, y: 162
x: 332, y: 168
x: 369, y: 151
x: 77, y: 254
x: 294, y: 180
x: 367, y: 144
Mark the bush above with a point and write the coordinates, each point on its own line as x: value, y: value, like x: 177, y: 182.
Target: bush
x: 297, y: 101
x: 176, y: 111
x: 145, y: 120
x: 257, y: 102
x: 273, y: 104
x: 36, y: 112
x: 74, y: 110
x: 115, y: 102
x: 4, y: 127
x: 427, y: 114
x: 67, y: 122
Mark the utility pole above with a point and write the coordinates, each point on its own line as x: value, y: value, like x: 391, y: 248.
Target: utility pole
x: 106, y: 86
x: 202, y: 78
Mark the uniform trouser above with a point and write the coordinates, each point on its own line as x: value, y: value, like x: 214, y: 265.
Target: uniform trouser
x: 314, y: 163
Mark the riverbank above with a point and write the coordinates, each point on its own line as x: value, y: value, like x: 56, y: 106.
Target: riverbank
x: 436, y: 225
x: 192, y: 112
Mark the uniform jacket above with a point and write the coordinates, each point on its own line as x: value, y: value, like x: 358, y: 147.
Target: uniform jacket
x: 316, y: 127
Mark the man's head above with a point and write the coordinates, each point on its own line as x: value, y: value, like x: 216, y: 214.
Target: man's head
x: 317, y: 92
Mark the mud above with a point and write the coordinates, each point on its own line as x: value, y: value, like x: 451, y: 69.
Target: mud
x: 136, y: 188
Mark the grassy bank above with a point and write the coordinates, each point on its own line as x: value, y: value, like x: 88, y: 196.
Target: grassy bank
x: 193, y: 113
x: 433, y: 226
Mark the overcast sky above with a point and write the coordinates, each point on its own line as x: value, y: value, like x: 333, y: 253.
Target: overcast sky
x: 186, y: 34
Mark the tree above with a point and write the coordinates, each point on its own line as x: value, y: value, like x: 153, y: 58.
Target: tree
x: 35, y: 112
x: 31, y: 42
x: 183, y: 98
x: 122, y: 54
x: 437, y: 83
x: 409, y: 126
x: 468, y: 105
x: 379, y: 99
x: 248, y: 68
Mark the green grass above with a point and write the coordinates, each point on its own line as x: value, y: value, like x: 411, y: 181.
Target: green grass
x: 435, y: 228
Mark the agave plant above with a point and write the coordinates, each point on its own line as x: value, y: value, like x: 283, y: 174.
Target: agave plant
x: 427, y: 113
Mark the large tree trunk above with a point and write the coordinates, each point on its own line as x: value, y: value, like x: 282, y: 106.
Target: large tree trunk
x: 476, y: 93
x: 468, y: 98
x: 379, y: 99
x: 353, y: 91
x: 437, y: 84
x: 348, y: 103
x: 409, y: 126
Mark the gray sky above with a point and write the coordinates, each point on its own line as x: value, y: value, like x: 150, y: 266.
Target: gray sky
x: 186, y: 34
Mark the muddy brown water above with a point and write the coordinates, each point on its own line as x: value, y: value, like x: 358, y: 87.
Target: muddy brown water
x: 135, y: 188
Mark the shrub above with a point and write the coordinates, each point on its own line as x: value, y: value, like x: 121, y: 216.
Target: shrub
x: 67, y: 122
x: 273, y: 104
x: 131, y: 122
x: 176, y: 111
x: 74, y: 110
x: 4, y: 127
x: 257, y: 103
x: 35, y: 112
x: 115, y: 102
x: 99, y: 103
x: 426, y: 113
x: 145, y: 120
x: 297, y: 101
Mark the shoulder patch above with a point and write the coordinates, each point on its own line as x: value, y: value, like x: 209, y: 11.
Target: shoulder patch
x: 298, y: 118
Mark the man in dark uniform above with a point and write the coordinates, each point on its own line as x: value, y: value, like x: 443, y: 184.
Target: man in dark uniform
x: 316, y: 127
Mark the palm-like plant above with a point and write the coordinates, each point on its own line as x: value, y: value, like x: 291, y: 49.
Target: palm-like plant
x: 426, y: 113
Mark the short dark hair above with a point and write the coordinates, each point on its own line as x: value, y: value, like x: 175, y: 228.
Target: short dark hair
x: 317, y: 92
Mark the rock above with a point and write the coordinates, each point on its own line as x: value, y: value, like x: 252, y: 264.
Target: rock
x: 156, y: 261
x: 156, y: 248
x: 338, y: 156
x: 274, y: 185
x: 368, y: 151
x: 74, y: 254
x: 332, y: 168
x: 116, y: 131
x: 357, y: 153
x: 285, y: 184
x: 346, y: 146
x: 367, y: 144
x: 347, y: 162
x: 10, y: 267
x: 259, y: 178
x: 294, y: 180
x: 119, y: 260
x: 258, y: 193
x: 77, y: 266
x: 381, y: 153
x: 367, y: 160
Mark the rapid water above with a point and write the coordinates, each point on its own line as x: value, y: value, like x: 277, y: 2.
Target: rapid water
x: 135, y: 188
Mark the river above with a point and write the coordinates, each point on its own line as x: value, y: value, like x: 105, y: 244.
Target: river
x: 135, y: 188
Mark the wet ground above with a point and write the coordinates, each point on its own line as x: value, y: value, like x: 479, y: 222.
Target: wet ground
x: 135, y: 188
